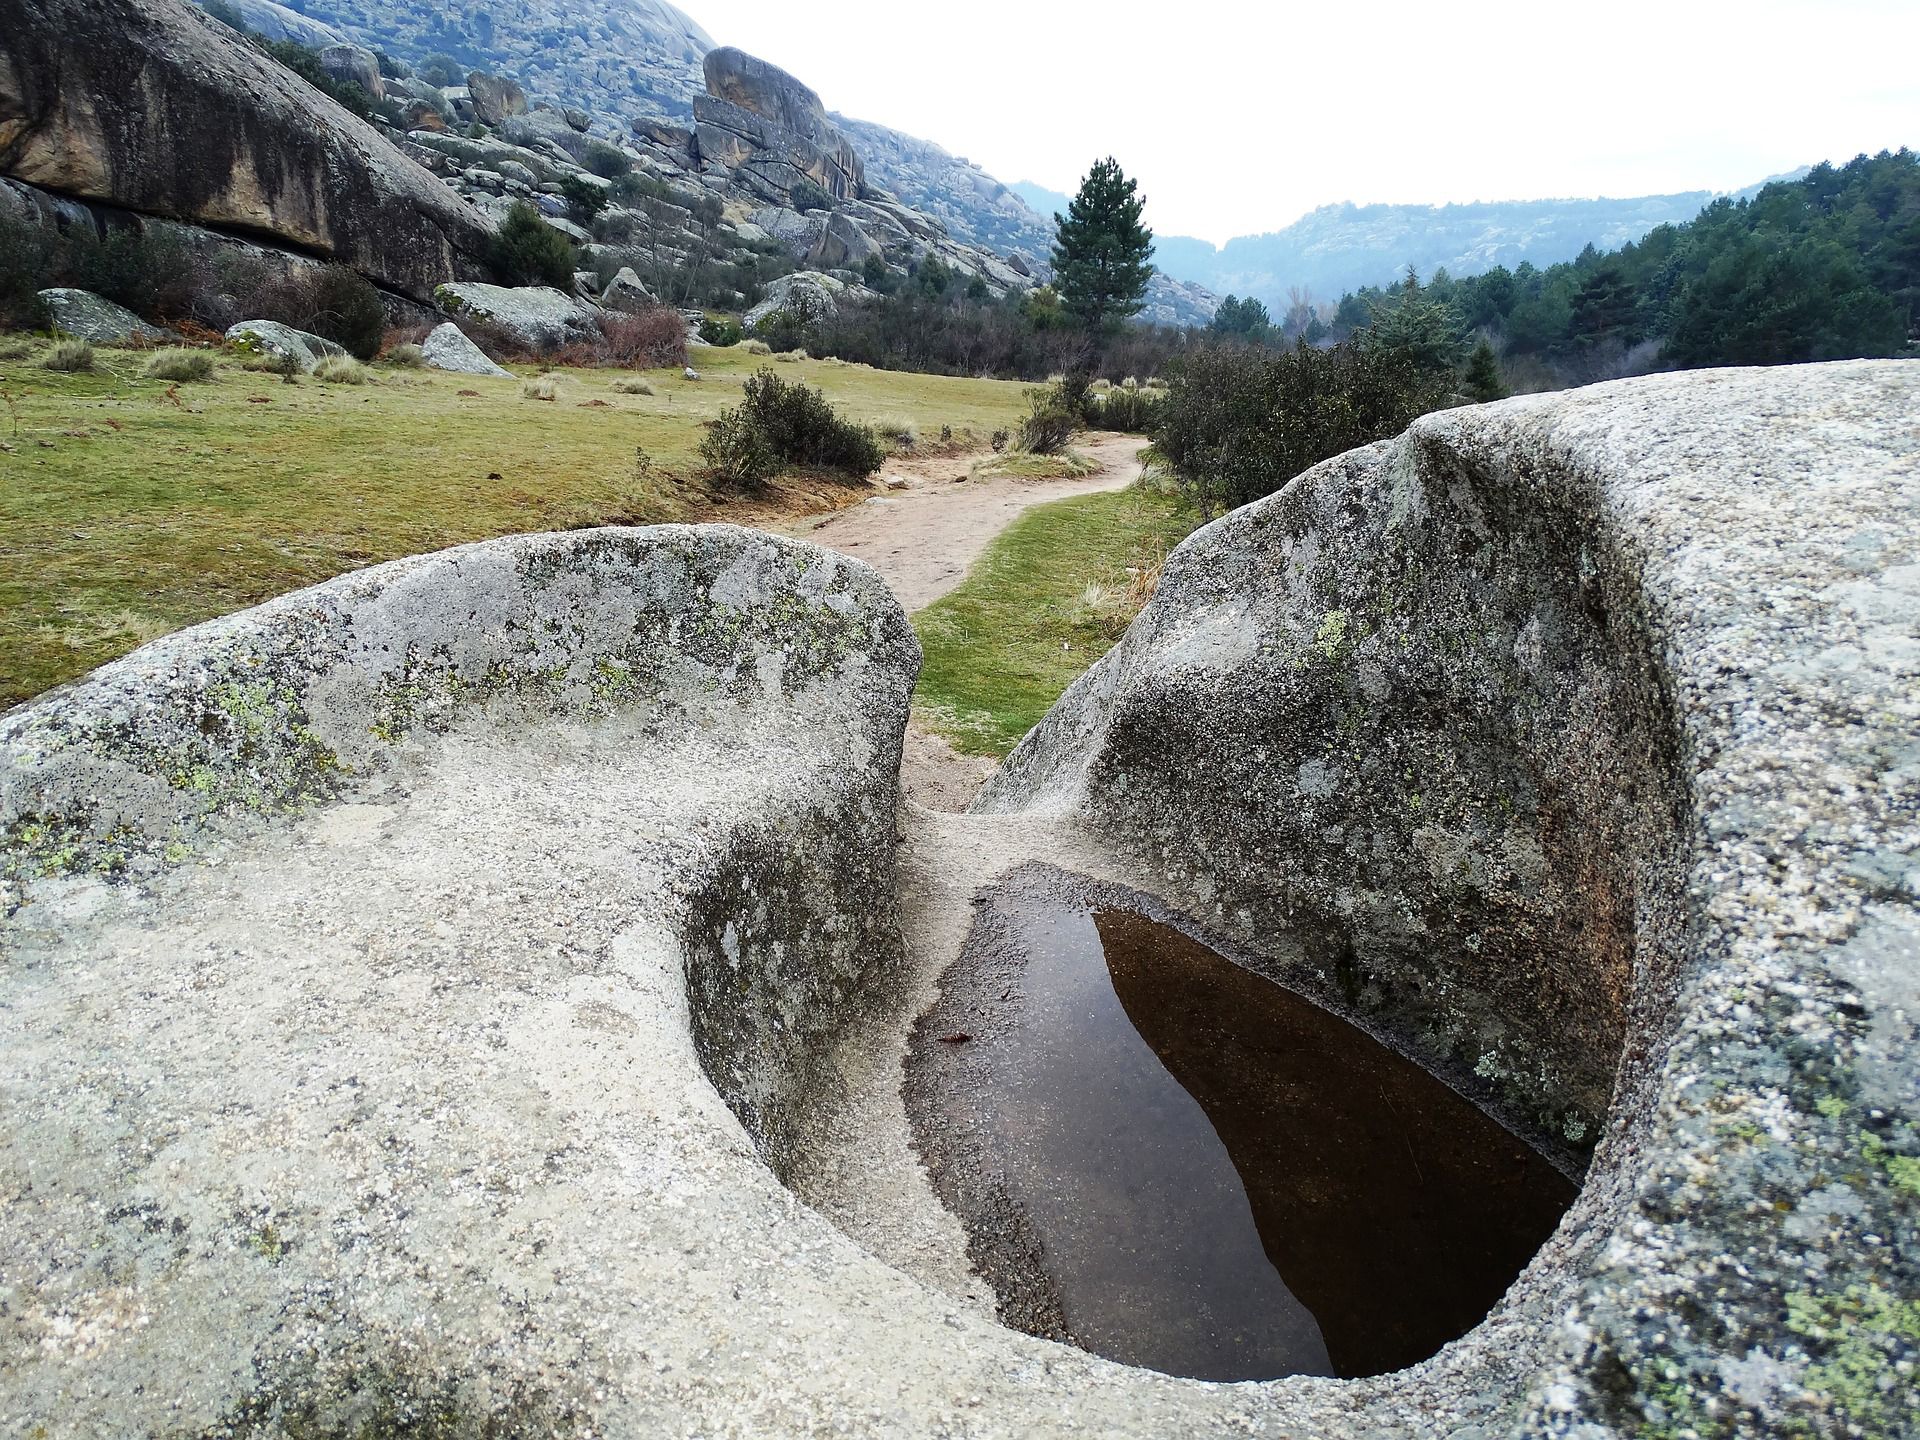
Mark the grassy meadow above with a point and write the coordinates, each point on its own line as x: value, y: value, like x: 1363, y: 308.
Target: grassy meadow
x: 1052, y: 594
x: 130, y: 507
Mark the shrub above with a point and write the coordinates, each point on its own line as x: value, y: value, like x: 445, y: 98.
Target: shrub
x: 342, y: 306
x: 584, y: 200
x: 809, y: 196
x: 181, y: 366
x: 609, y: 162
x: 541, y: 387
x: 1053, y: 414
x: 70, y: 356
x: 721, y: 330
x: 649, y: 339
x: 630, y: 385
x: 783, y: 330
x: 778, y: 423
x: 409, y: 355
x: 1238, y: 424
x: 340, y: 370
x: 1128, y: 409
x: 528, y: 251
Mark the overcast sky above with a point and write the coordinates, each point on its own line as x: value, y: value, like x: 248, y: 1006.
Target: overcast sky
x: 1240, y: 117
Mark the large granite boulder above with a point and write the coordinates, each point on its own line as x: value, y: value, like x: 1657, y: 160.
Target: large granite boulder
x: 1574, y: 742
x: 807, y: 293
x: 843, y: 245
x: 152, y: 106
x: 271, y: 340
x: 495, y: 99
x: 354, y: 65
x: 87, y: 316
x: 537, y: 316
x: 760, y: 121
x: 448, y: 348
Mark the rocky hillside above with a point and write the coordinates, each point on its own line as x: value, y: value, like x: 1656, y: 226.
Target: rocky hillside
x: 626, y: 61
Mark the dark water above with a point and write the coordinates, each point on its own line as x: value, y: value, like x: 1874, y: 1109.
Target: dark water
x: 1228, y: 1182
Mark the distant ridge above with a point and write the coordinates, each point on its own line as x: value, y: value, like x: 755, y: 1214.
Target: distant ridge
x: 1338, y: 248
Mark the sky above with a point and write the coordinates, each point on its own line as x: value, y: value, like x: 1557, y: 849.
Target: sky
x: 1238, y: 118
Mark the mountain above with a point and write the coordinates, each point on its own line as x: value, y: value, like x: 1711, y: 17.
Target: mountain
x: 636, y: 60
x: 1338, y: 248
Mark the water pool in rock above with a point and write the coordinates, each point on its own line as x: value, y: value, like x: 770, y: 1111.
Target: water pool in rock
x: 1176, y: 1163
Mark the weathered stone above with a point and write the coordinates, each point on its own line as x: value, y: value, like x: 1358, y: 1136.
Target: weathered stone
x: 578, y: 234
x: 494, y: 924
x: 663, y: 132
x: 626, y: 292
x: 354, y: 65
x: 87, y: 316
x: 272, y: 21
x: 537, y: 316
x: 494, y: 99
x: 202, y: 127
x: 1571, y: 742
x: 842, y: 245
x: 545, y: 127
x: 271, y: 338
x: 806, y: 293
x: 425, y: 115
x: 760, y: 118
x: 577, y: 118
x: 796, y: 233
x: 448, y: 348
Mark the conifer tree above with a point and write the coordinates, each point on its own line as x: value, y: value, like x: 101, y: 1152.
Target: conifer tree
x: 1102, y: 254
x: 1482, y: 380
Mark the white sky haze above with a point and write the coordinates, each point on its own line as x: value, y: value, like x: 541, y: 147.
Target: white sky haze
x: 1239, y: 118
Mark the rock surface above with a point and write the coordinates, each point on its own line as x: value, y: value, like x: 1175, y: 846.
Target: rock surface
x: 1571, y: 742
x: 494, y: 99
x: 448, y: 348
x: 271, y: 338
x: 202, y: 127
x: 480, y: 936
x: 760, y: 121
x: 93, y: 317
x: 537, y: 316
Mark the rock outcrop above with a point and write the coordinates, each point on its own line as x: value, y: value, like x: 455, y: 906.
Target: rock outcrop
x: 153, y: 107
x: 487, y: 936
x: 269, y: 339
x: 87, y: 316
x: 1571, y: 742
x: 759, y: 120
x: 448, y: 348
x: 536, y: 316
x: 495, y: 100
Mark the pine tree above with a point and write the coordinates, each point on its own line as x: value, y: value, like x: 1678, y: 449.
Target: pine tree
x: 1102, y: 254
x: 1482, y: 381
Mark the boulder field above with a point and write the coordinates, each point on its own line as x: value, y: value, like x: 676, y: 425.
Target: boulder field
x: 431, y: 996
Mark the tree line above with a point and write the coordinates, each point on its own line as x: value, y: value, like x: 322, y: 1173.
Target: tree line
x: 1826, y: 267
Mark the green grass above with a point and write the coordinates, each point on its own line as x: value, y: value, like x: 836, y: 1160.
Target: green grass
x: 130, y: 507
x: 1048, y: 598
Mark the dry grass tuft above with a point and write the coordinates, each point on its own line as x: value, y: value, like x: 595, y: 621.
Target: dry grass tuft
x: 541, y: 387
x: 70, y: 356
x: 194, y: 367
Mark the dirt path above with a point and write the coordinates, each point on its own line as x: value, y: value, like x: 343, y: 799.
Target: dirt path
x: 923, y: 537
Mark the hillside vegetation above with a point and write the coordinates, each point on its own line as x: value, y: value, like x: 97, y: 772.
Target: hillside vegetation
x: 132, y: 506
x: 1822, y: 268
